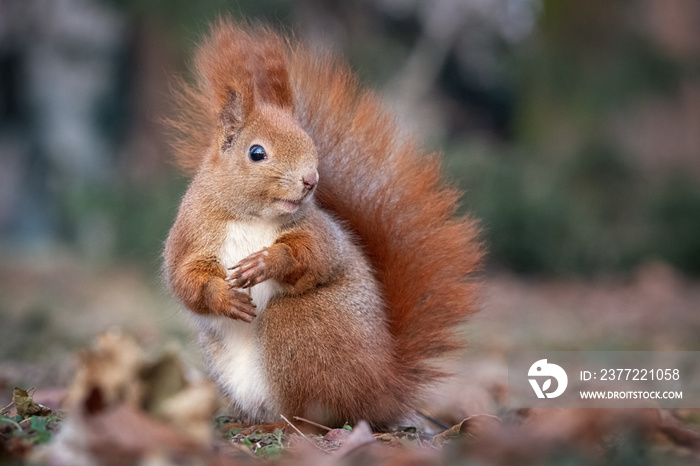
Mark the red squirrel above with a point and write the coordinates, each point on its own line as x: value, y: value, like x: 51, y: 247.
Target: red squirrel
x: 317, y: 248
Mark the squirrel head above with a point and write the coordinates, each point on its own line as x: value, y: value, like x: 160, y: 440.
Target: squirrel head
x: 264, y: 164
x: 261, y: 163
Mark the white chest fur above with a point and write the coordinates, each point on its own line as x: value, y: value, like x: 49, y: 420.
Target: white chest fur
x: 235, y: 356
x: 243, y: 239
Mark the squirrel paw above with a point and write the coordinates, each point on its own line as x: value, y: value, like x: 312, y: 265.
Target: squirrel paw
x: 250, y: 271
x: 239, y: 306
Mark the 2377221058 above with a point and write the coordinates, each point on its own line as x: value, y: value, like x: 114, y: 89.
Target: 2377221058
x: 639, y: 374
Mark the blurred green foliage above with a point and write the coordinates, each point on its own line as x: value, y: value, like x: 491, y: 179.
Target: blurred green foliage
x: 557, y: 191
x: 130, y: 221
x: 564, y: 196
x: 187, y: 21
x: 590, y: 215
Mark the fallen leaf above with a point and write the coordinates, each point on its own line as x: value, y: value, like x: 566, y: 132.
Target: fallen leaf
x: 360, y: 435
x: 26, y: 407
x: 122, y: 434
x: 107, y: 374
x: 473, y: 426
x: 337, y: 435
x: 161, y: 380
x: 677, y: 432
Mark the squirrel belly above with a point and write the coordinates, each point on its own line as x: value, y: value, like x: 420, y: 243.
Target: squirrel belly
x: 232, y: 348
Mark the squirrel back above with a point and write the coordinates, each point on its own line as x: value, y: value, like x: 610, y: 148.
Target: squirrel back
x: 383, y: 188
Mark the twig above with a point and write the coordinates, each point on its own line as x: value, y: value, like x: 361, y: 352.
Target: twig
x: 6, y: 409
x: 300, y: 433
x: 312, y: 423
x: 437, y: 422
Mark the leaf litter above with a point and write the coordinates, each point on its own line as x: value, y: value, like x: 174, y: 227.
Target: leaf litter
x: 125, y: 408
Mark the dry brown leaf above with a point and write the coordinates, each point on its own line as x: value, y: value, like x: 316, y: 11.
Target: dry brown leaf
x: 587, y: 426
x: 161, y: 380
x: 190, y: 410
x: 582, y: 433
x: 26, y: 407
x: 111, y: 366
x: 122, y: 407
x: 473, y: 426
x: 130, y: 432
x: 679, y: 433
x: 360, y: 435
x: 337, y: 435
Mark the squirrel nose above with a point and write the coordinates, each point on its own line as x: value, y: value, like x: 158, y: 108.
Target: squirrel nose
x: 310, y: 179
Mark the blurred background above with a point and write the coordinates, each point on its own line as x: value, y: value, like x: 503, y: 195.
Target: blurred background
x: 573, y: 127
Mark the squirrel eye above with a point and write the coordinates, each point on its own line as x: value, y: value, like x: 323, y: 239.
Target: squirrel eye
x: 257, y: 153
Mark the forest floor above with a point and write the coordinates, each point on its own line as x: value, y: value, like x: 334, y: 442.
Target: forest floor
x: 53, y: 307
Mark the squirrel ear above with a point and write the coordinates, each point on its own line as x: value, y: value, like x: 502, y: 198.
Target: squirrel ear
x: 234, y: 112
x: 270, y: 71
x: 273, y: 87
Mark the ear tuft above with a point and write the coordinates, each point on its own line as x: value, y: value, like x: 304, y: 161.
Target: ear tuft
x: 237, y: 66
x: 270, y: 69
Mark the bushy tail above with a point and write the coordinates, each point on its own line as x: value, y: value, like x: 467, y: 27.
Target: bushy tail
x: 393, y: 197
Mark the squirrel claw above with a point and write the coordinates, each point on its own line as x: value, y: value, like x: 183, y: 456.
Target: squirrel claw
x: 250, y: 271
x: 248, y: 266
x: 242, y: 306
x: 241, y: 315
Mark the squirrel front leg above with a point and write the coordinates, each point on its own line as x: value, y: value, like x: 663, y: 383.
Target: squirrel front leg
x: 296, y: 260
x: 201, y: 286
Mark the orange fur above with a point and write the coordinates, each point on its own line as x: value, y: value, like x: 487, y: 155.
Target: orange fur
x: 380, y: 184
x: 393, y: 197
